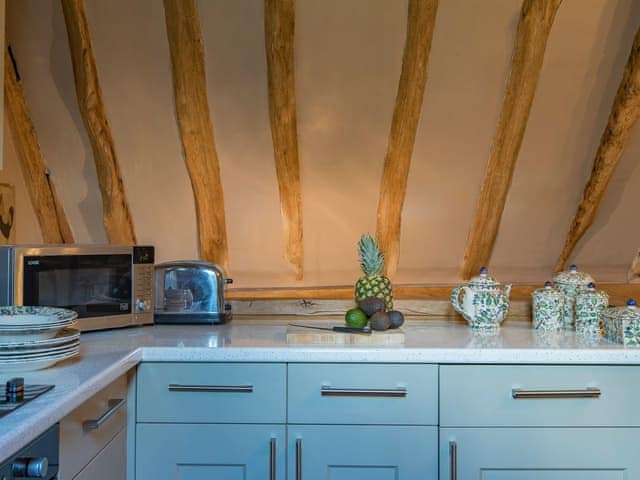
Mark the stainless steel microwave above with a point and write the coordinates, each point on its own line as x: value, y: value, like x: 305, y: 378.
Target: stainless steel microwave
x: 109, y: 286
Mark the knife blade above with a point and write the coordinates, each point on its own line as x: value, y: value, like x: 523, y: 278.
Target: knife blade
x: 336, y: 328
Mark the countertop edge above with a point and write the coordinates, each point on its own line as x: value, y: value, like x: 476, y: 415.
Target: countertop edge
x: 40, y: 421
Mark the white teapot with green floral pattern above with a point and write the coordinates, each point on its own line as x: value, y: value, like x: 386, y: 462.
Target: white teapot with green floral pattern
x: 482, y: 302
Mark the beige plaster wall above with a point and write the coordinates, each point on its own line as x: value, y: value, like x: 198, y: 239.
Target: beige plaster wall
x: 348, y: 60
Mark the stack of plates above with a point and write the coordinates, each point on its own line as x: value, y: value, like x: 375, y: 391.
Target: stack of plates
x: 32, y: 338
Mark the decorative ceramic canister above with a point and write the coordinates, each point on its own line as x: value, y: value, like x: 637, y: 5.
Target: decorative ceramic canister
x: 547, y: 304
x: 571, y: 282
x: 622, y: 324
x: 588, y: 310
x: 482, y: 302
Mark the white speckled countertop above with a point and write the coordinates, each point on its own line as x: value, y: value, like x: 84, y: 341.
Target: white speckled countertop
x: 107, y: 355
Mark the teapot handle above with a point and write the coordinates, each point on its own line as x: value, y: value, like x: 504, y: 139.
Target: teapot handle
x: 455, y: 299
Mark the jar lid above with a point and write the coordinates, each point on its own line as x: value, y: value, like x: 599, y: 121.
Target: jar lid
x: 547, y: 291
x: 483, y: 280
x: 591, y: 292
x: 629, y: 313
x: 573, y: 277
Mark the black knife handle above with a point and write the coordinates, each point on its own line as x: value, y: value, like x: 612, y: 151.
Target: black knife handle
x: 351, y: 329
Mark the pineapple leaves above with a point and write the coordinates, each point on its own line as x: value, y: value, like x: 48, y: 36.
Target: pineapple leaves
x: 371, y: 258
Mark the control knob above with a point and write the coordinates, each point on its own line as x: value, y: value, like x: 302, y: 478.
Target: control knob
x: 30, y: 467
x: 142, y: 305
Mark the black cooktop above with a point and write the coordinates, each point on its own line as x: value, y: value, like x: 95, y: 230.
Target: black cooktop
x: 17, y: 394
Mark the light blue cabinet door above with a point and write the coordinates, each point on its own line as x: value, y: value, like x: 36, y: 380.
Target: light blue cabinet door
x: 210, y: 452
x: 540, y: 453
x: 331, y: 452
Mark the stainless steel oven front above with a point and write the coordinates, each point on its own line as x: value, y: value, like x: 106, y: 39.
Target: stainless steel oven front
x: 109, y: 286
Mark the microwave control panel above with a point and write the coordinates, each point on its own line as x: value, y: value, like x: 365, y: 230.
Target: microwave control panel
x: 143, y: 283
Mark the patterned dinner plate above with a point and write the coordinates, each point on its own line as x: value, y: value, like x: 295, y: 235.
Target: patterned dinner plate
x: 36, y: 363
x: 62, y: 337
x: 35, y: 352
x: 31, y: 334
x: 18, y: 317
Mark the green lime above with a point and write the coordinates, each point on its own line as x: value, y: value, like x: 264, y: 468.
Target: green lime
x: 356, y: 318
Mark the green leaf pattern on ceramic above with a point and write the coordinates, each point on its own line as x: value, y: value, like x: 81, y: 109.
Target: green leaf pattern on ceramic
x: 589, y: 306
x: 570, y: 292
x: 622, y: 325
x: 548, y: 307
x: 490, y: 307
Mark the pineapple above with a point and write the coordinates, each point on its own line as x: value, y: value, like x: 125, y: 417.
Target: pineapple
x: 372, y: 284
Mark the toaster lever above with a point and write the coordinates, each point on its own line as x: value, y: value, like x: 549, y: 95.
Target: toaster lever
x: 228, y: 280
x: 227, y: 307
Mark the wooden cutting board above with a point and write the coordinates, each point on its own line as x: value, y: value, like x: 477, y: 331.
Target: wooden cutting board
x: 298, y: 335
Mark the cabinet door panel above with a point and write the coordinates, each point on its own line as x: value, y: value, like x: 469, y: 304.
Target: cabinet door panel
x: 489, y: 474
x: 541, y: 453
x: 331, y: 452
x: 208, y: 452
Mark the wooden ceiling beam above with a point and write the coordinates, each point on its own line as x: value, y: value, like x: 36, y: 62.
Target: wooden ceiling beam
x: 536, y: 19
x: 279, y: 28
x: 619, y: 292
x: 623, y: 116
x: 634, y: 272
x: 196, y: 128
x: 404, y: 125
x: 115, y: 208
x: 44, y: 198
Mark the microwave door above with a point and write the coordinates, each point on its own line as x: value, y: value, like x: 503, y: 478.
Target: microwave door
x: 92, y: 285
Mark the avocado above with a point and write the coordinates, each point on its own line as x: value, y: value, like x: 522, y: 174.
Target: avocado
x: 371, y: 305
x: 380, y: 321
x: 397, y: 318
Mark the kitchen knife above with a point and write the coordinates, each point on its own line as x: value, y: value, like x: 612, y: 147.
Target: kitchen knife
x: 339, y: 329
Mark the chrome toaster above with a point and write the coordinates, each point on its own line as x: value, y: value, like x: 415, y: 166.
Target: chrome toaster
x: 190, y: 292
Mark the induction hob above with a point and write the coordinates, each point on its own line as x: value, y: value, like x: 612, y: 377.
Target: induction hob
x: 16, y: 394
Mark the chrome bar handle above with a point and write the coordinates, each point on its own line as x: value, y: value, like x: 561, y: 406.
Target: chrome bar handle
x: 114, y: 405
x: 299, y: 459
x: 453, y: 460
x: 589, y: 392
x: 211, y: 388
x: 327, y: 391
x: 272, y: 459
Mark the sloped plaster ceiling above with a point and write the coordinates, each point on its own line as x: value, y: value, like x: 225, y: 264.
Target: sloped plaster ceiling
x: 348, y: 59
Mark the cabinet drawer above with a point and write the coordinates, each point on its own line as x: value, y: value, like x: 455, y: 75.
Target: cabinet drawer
x: 211, y: 393
x: 538, y: 396
x: 79, y: 441
x: 363, y: 394
x: 110, y: 463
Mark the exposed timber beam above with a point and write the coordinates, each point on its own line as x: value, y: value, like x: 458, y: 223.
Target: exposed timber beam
x: 196, y: 129
x: 44, y: 198
x: 115, y: 209
x: 634, y: 271
x: 421, y: 21
x: 623, y: 116
x: 279, y: 28
x: 536, y: 19
x: 618, y: 292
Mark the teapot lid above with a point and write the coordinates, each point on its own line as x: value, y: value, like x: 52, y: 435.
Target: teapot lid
x: 630, y: 312
x: 573, y: 277
x: 483, y: 280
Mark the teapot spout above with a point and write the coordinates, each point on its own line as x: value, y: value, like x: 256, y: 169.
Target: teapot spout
x: 507, y: 289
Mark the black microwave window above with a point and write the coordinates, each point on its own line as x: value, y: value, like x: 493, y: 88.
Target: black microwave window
x: 92, y: 285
